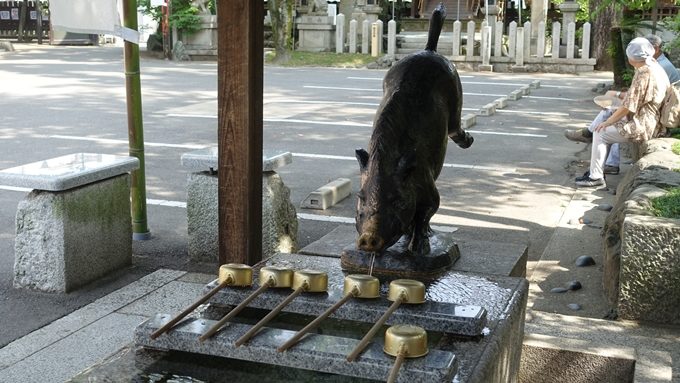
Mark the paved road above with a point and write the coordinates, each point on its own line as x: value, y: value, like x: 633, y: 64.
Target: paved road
x: 511, y: 186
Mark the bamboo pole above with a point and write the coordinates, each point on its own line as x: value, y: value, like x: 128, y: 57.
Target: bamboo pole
x: 140, y: 230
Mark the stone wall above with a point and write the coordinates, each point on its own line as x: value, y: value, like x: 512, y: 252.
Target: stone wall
x: 641, y: 252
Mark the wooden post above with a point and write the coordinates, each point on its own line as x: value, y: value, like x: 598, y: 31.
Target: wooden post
x: 239, y: 136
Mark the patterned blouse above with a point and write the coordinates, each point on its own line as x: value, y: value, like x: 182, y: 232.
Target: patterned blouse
x: 643, y: 100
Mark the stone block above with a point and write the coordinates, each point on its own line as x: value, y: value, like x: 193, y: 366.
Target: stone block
x: 526, y: 90
x: 468, y: 121
x: 279, y: 219
x: 649, y: 284
x: 328, y: 195
x: 70, y: 238
x: 501, y: 102
x: 535, y: 84
x: 515, y: 95
x: 487, y: 110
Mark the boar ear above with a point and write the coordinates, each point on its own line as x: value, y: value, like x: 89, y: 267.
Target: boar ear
x: 407, y: 163
x: 362, y: 156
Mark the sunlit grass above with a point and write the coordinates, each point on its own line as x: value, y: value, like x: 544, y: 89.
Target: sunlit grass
x: 323, y: 59
x: 676, y: 148
x: 667, y: 206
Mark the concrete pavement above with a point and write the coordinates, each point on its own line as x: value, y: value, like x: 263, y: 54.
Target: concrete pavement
x: 514, y: 185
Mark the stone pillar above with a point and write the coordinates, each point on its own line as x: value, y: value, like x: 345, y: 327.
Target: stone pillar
x: 380, y: 37
x: 519, y: 52
x: 353, y: 36
x: 340, y: 33
x: 540, y: 40
x: 585, y: 50
x: 391, y: 38
x: 375, y: 36
x: 486, y: 48
x: 571, y: 36
x: 317, y: 33
x: 456, y: 38
x: 556, y: 40
x: 365, y: 37
x: 492, y: 18
x: 569, y: 9
x: 498, y: 40
x: 470, y: 43
x: 527, y: 39
x: 512, y: 39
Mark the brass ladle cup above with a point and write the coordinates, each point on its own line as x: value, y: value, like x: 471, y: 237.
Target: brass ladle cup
x: 310, y: 281
x: 270, y: 276
x: 401, y: 291
x: 230, y: 274
x: 404, y: 341
x: 356, y: 286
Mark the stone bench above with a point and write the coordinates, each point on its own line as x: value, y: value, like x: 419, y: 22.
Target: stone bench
x: 75, y: 225
x: 279, y: 218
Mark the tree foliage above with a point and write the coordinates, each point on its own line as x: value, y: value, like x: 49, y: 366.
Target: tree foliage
x: 184, y: 15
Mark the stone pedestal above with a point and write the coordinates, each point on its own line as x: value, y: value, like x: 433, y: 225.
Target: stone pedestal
x: 70, y: 238
x: 279, y: 221
x: 203, y: 42
x: 569, y: 9
x: 279, y: 218
x: 317, y: 33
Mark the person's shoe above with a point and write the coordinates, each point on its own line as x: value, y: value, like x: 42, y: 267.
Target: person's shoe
x: 609, y: 169
x: 589, y: 182
x: 579, y: 135
x: 585, y: 176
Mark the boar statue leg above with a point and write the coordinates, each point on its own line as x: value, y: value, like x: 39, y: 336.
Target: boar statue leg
x: 420, y: 243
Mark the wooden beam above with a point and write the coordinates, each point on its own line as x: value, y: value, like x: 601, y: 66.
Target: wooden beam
x: 239, y: 138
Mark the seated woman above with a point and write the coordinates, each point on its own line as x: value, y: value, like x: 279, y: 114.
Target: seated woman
x: 637, y: 119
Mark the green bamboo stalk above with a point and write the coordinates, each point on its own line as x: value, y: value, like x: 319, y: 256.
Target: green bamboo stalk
x: 140, y: 230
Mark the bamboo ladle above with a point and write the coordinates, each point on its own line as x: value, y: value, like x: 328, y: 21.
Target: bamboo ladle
x: 401, y: 291
x: 230, y: 274
x: 310, y: 281
x: 356, y: 286
x: 404, y: 341
x: 270, y: 277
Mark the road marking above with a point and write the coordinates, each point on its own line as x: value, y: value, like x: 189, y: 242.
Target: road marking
x: 337, y: 219
x: 509, y: 134
x: 13, y: 188
x: 162, y: 202
x: 126, y: 142
x: 554, y: 98
x: 380, y: 90
x: 528, y: 112
x: 446, y: 165
x: 380, y: 78
x: 289, y: 101
x: 341, y: 123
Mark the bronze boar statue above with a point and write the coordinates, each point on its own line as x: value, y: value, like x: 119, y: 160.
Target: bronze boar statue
x: 420, y: 110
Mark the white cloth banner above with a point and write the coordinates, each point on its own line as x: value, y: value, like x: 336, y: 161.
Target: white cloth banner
x: 90, y: 16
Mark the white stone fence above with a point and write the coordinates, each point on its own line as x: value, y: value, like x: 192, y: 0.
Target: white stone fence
x: 518, y: 50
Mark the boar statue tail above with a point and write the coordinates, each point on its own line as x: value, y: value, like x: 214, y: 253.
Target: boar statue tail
x: 436, y: 24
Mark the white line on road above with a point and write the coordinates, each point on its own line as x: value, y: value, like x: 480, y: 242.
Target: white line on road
x: 527, y: 112
x: 341, y: 123
x: 332, y: 218
x: 553, y: 98
x: 380, y: 90
x: 482, y: 82
x: 380, y: 78
x: 446, y: 165
x: 509, y: 134
x: 113, y: 141
x: 14, y: 188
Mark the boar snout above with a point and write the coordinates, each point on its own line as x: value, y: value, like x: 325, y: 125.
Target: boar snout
x: 370, y: 242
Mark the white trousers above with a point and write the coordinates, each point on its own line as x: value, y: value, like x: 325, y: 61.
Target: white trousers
x: 614, y: 157
x: 598, y: 152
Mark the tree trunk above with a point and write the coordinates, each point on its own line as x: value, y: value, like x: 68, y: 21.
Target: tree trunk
x: 602, y: 21
x: 618, y: 57
x: 280, y: 12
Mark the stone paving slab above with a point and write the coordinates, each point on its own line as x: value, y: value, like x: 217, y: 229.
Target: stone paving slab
x: 319, y: 352
x: 71, y: 354
x: 36, y: 341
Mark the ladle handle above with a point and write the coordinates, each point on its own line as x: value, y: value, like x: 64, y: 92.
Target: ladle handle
x: 394, y: 372
x: 313, y: 324
x: 191, y: 308
x: 371, y: 333
x: 269, y: 316
x: 233, y: 312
